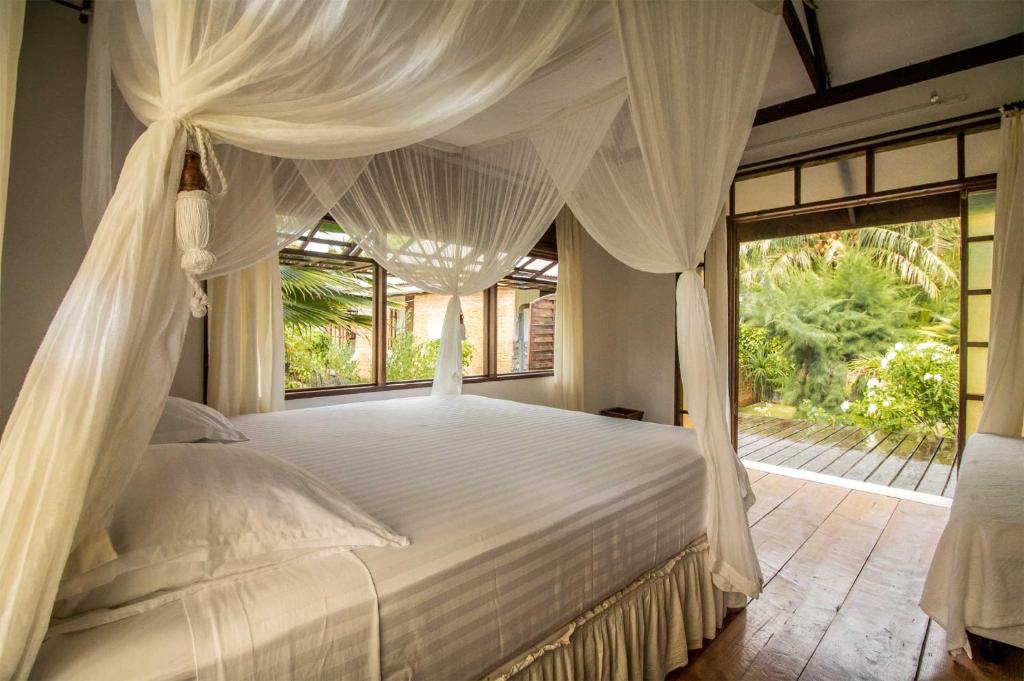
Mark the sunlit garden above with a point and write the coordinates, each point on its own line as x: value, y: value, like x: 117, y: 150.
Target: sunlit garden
x: 857, y: 327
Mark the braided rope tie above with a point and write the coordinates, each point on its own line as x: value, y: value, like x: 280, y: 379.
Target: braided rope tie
x: 192, y: 219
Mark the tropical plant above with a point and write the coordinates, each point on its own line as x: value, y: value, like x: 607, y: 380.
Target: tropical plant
x: 410, y: 358
x: 763, y: 361
x: 828, y: 317
x: 314, y: 298
x: 314, y: 359
x: 910, y: 387
x: 922, y: 254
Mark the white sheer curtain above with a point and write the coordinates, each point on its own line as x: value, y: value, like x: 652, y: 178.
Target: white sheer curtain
x: 1003, y: 409
x: 569, y: 312
x: 452, y: 222
x: 12, y: 21
x: 292, y: 79
x: 246, y: 340
x: 655, y: 191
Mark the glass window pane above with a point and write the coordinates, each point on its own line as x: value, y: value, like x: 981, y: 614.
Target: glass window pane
x: 845, y: 177
x: 328, y: 322
x: 981, y: 213
x: 918, y: 164
x: 972, y: 414
x: 764, y: 192
x: 981, y: 152
x: 978, y: 307
x: 979, y: 265
x: 526, y: 328
x: 977, y: 366
x: 415, y: 319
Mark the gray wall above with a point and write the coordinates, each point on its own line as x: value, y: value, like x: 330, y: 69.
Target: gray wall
x: 43, y: 238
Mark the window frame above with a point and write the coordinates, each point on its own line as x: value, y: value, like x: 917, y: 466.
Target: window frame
x: 546, y: 248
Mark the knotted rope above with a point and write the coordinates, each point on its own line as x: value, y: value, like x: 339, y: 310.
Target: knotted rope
x: 192, y: 215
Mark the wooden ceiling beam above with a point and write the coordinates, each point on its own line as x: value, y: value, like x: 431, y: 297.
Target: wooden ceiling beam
x: 814, y: 32
x: 803, y: 47
x: 973, y: 57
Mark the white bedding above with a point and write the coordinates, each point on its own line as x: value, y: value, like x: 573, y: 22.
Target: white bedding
x: 976, y: 576
x: 520, y: 518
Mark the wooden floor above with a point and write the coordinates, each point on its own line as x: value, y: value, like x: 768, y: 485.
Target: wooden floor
x: 923, y: 463
x: 844, y: 570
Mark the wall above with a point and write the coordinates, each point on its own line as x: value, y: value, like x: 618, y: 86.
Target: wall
x: 629, y: 336
x: 44, y: 241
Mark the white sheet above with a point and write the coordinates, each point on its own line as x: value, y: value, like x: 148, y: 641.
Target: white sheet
x: 521, y: 517
x: 975, y: 579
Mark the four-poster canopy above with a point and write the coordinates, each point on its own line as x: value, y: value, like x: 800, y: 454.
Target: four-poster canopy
x: 445, y: 136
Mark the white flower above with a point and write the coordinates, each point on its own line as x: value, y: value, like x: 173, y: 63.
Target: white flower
x: 871, y: 393
x: 885, y: 362
x: 938, y: 378
x: 899, y: 346
x: 926, y: 345
x: 890, y: 355
x: 936, y: 357
x: 872, y: 408
x: 845, y: 406
x: 874, y: 382
x: 886, y: 403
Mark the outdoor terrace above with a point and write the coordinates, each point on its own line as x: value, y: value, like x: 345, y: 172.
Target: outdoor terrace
x: 909, y: 461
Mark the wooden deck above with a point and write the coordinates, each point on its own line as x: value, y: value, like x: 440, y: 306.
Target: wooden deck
x: 921, y: 463
x: 844, y: 570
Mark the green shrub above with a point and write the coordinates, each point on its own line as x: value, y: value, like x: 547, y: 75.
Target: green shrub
x: 911, y: 387
x: 763, y: 361
x: 410, y: 359
x: 313, y: 359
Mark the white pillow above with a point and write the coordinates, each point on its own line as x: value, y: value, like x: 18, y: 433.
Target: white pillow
x: 194, y: 512
x: 187, y: 421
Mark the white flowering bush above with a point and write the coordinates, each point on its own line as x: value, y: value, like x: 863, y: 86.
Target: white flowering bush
x: 912, y: 387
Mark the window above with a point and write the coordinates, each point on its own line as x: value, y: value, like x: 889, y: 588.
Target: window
x: 352, y: 326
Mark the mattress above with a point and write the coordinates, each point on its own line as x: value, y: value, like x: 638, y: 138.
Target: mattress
x: 520, y: 517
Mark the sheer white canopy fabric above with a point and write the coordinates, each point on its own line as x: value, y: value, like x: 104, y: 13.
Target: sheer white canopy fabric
x: 12, y: 21
x: 1003, y: 410
x: 654, y: 193
x: 389, y: 106
x: 452, y: 222
x: 313, y: 79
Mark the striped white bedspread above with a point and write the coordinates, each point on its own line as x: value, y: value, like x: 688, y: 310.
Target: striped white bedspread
x: 520, y: 516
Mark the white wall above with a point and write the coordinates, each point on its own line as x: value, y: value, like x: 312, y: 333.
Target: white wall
x: 43, y: 238
x: 629, y: 336
x: 961, y: 93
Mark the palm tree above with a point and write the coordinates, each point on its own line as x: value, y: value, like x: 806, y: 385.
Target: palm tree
x: 922, y: 254
x: 316, y: 298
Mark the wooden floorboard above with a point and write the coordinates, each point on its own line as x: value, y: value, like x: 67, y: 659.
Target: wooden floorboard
x: 910, y: 461
x: 844, y: 571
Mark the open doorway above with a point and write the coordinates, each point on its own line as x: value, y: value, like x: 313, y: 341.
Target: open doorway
x: 848, y: 352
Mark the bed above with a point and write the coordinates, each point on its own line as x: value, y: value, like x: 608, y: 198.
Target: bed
x: 542, y: 542
x: 974, y: 582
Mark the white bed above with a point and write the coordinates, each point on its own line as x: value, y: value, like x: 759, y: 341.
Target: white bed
x: 975, y: 579
x: 521, y: 518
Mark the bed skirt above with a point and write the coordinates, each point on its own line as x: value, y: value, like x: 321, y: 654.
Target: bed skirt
x: 642, y: 632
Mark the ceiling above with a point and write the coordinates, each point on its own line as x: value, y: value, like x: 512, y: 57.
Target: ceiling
x: 863, y: 38
x: 860, y: 38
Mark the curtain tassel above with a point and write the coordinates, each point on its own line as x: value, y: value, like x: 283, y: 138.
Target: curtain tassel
x: 192, y: 227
